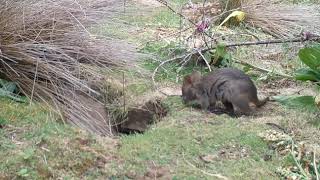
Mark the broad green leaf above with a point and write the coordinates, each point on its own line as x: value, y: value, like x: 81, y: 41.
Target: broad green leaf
x: 221, y: 50
x: 9, y: 86
x: 299, y: 102
x: 311, y: 57
x: 7, y: 94
x: 221, y: 57
x: 307, y: 75
x: 8, y: 89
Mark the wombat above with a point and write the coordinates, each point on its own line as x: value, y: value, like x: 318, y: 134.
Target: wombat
x: 231, y: 86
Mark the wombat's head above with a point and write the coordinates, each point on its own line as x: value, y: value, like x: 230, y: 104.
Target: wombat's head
x: 189, y: 90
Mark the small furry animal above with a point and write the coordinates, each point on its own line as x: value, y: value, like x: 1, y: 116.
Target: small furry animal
x: 231, y: 86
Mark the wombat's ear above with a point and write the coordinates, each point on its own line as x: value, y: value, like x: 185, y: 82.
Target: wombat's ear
x: 195, y: 76
x: 192, y: 78
x: 187, y: 80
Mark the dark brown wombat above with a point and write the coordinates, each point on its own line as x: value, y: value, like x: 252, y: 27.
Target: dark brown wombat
x: 231, y: 86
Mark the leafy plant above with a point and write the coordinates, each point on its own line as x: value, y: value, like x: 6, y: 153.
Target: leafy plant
x: 220, y: 57
x: 300, y: 102
x: 310, y: 56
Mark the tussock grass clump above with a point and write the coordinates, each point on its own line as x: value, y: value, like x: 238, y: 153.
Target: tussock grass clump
x: 283, y: 20
x: 280, y: 19
x: 47, y: 49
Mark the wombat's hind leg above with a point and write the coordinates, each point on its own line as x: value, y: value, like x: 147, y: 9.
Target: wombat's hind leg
x: 229, y: 109
x: 241, y: 108
x: 262, y: 102
x: 228, y: 106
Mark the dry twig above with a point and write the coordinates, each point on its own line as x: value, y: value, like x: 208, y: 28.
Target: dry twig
x: 219, y: 176
x: 282, y: 20
x: 315, y: 166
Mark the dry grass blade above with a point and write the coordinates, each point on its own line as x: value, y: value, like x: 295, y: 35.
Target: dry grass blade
x: 46, y: 48
x: 282, y: 20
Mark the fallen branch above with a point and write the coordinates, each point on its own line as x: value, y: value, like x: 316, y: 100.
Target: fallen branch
x: 275, y: 41
x: 160, y: 65
x: 304, y: 38
x: 207, y: 63
x: 296, y: 161
x: 262, y: 69
x: 165, y: 3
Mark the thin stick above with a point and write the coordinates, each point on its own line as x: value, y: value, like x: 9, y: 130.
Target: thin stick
x: 184, y: 62
x: 106, y: 90
x: 34, y: 81
x: 160, y: 65
x: 251, y: 43
x: 204, y: 172
x: 124, y: 6
x: 203, y: 6
x: 205, y: 60
x: 315, y: 166
x: 296, y: 161
x: 124, y: 92
x: 180, y: 29
x: 275, y: 41
x: 165, y: 3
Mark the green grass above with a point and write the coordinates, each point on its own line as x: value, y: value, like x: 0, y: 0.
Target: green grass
x: 137, y: 17
x: 186, y: 135
x: 36, y: 144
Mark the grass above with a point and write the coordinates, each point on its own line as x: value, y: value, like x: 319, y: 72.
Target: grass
x: 33, y: 146
x: 36, y: 144
x: 186, y: 135
x: 143, y: 17
x: 175, y: 143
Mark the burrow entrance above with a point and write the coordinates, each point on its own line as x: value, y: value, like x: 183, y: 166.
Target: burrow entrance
x: 119, y: 111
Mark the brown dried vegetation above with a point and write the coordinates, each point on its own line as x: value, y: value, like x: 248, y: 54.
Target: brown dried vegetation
x: 47, y: 49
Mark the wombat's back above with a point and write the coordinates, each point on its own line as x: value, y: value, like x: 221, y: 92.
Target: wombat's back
x: 230, y: 73
x: 213, y: 80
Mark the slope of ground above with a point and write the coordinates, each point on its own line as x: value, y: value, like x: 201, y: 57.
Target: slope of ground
x: 187, y: 144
